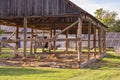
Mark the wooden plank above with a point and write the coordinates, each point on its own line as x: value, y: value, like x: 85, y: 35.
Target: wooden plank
x: 35, y: 46
x: 31, y: 44
x: 99, y: 40
x: 70, y: 26
x: 94, y: 40
x: 20, y: 8
x: 0, y: 48
x: 89, y: 35
x: 49, y: 42
x: 9, y: 46
x: 67, y: 42
x: 17, y: 36
x: 46, y: 40
x: 0, y: 43
x: 104, y: 41
x: 12, y: 34
x: 43, y: 43
x: 76, y: 42
x: 54, y: 42
x: 25, y: 37
x: 102, y: 35
x: 79, y: 36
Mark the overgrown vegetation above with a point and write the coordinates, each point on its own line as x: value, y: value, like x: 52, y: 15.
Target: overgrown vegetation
x: 107, y: 69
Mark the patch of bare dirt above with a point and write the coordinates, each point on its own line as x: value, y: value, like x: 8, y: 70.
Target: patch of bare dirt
x: 46, y: 60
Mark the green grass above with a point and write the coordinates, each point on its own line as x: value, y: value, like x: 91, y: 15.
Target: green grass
x: 107, y: 69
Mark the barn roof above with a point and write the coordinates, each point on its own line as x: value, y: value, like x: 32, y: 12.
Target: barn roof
x: 43, y: 14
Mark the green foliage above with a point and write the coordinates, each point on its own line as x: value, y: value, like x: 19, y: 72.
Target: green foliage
x: 115, y: 27
x: 2, y: 31
x: 109, y: 18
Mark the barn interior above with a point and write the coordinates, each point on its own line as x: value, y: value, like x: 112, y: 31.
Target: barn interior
x: 55, y: 17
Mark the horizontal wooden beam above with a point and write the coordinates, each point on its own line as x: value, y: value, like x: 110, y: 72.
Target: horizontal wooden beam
x: 47, y: 40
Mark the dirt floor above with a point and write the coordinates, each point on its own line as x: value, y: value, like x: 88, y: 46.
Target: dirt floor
x: 47, y: 60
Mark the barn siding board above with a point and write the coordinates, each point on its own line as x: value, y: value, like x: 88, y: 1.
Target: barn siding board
x: 9, y: 8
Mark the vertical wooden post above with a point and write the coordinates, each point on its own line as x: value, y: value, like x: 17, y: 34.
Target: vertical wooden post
x: 89, y: 39
x: 0, y: 48
x: 31, y: 44
x: 67, y: 41
x: 54, y: 42
x: 43, y: 44
x: 25, y: 37
x: 76, y: 42
x: 104, y: 41
x: 94, y: 41
x: 35, y: 47
x: 0, y: 43
x: 50, y: 36
x: 79, y: 41
x: 99, y: 40
x: 17, y: 36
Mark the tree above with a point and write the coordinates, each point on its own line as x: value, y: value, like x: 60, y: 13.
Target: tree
x: 115, y: 27
x: 108, y: 18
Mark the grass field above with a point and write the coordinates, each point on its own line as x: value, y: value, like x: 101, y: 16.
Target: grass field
x: 107, y: 69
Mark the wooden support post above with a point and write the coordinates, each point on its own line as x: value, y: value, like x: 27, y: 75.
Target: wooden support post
x: 54, y: 42
x: 43, y: 44
x: 101, y: 35
x: 17, y: 36
x: 99, y: 40
x: 35, y: 46
x: 67, y: 42
x: 76, y: 43
x: 25, y: 37
x: 50, y: 36
x: 104, y: 41
x: 79, y: 42
x: 94, y: 40
x: 0, y: 43
x: 31, y: 44
x: 89, y: 39
x: 0, y: 48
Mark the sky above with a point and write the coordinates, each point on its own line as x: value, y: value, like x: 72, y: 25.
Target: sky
x: 91, y: 5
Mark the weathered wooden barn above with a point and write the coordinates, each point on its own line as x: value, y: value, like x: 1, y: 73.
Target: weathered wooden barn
x: 57, y: 17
